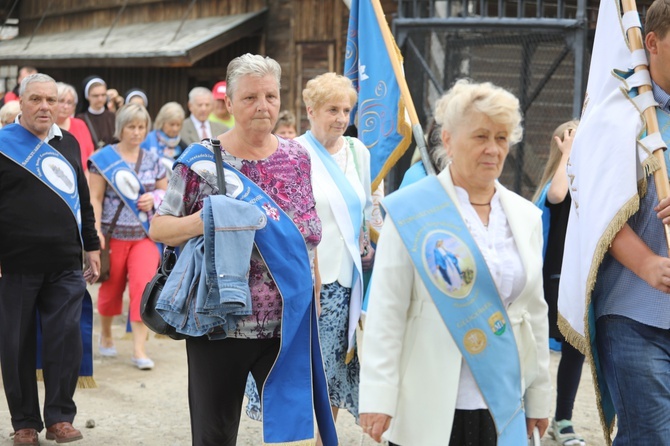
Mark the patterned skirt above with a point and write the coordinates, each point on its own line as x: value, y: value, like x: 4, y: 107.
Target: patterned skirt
x: 342, y: 378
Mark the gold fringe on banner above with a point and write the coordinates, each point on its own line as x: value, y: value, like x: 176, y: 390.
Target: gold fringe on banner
x: 83, y: 382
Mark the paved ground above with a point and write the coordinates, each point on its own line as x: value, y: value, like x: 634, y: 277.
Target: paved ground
x: 132, y: 407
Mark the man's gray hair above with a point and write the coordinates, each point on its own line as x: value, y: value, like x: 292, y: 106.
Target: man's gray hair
x: 251, y: 64
x: 199, y: 91
x: 36, y: 77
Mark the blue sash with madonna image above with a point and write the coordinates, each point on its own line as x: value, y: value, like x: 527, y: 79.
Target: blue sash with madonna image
x: 122, y: 179
x: 50, y: 167
x: 46, y: 163
x: 295, y: 389
x: 456, y: 275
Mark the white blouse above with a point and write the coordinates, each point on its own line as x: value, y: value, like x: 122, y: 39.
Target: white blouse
x: 501, y: 255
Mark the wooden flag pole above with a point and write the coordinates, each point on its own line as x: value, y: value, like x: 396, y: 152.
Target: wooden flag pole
x: 661, y: 175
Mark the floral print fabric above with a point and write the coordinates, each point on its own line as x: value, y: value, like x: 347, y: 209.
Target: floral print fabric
x: 285, y: 177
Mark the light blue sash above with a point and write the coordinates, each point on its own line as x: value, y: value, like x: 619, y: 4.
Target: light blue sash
x: 350, y: 196
x: 296, y: 387
x: 122, y: 179
x: 455, y: 273
x: 43, y: 161
x: 339, y: 192
x: 546, y: 216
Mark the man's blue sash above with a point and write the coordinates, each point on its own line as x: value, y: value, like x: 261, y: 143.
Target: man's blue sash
x: 295, y: 388
x: 456, y: 275
x: 122, y: 179
x: 43, y: 161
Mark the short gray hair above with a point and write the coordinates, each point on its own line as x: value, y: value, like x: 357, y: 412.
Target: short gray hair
x: 168, y: 112
x: 199, y: 91
x: 251, y: 64
x: 64, y: 88
x: 35, y: 77
x: 129, y: 113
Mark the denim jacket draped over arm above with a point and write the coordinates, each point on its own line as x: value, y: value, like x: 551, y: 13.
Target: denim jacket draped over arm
x: 209, y: 286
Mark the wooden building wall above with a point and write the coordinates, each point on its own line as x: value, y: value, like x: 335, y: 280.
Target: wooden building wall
x: 86, y: 14
x: 306, y: 37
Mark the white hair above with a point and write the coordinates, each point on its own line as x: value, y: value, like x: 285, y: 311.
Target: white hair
x: 251, y: 65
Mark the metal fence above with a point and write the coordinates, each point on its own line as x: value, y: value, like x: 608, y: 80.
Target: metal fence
x: 537, y: 50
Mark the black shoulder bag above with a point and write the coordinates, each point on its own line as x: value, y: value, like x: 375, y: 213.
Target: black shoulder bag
x: 152, y: 291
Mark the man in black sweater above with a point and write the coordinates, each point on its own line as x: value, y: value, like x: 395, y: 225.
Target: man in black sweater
x: 45, y: 218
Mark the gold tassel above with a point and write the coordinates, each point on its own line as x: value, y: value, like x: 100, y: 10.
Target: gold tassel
x: 83, y: 382
x: 350, y: 356
x: 86, y: 382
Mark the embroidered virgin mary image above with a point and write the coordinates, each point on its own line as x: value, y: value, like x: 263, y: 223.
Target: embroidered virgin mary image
x: 451, y: 265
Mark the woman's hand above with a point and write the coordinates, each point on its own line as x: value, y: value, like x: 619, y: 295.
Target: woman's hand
x: 146, y: 202
x: 663, y: 210
x: 375, y: 424
x: 541, y: 423
x: 368, y: 260
x: 565, y: 144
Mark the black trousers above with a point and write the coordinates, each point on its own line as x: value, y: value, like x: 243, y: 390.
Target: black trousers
x: 217, y: 376
x: 472, y: 428
x: 58, y: 297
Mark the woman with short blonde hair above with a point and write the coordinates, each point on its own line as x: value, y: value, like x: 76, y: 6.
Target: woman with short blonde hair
x: 342, y: 187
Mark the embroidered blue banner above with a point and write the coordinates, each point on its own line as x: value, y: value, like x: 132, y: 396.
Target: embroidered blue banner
x: 455, y: 273
x: 122, y: 179
x: 43, y: 161
x: 296, y: 387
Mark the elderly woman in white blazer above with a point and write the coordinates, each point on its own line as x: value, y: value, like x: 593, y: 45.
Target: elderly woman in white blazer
x: 341, y: 185
x: 426, y: 378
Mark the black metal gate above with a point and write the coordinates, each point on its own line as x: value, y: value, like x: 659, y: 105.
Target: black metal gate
x: 535, y: 49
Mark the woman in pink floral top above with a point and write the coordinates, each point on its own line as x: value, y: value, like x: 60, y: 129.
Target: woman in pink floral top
x: 218, y: 369
x: 284, y: 176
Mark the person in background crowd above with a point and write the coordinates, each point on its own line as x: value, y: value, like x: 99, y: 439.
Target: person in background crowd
x: 14, y: 94
x: 220, y: 113
x: 114, y: 100
x: 67, y: 104
x: 286, y: 125
x: 198, y: 126
x: 165, y: 140
x: 137, y: 96
x: 133, y: 255
x: 8, y: 112
x: 553, y: 198
x: 341, y: 182
x: 94, y: 113
x: 44, y: 220
x: 475, y: 356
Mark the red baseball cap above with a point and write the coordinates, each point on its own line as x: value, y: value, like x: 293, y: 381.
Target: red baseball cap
x: 219, y: 90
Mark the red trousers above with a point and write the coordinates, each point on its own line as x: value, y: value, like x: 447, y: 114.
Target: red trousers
x: 132, y: 262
